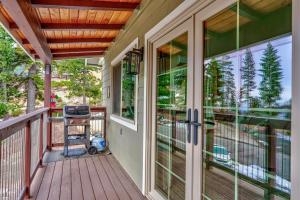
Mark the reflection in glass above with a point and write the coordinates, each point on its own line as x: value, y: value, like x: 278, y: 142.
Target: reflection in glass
x: 171, y: 97
x: 128, y: 93
x: 247, y: 101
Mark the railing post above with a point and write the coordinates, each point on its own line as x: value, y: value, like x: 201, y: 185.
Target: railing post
x: 41, y: 147
x: 104, y: 134
x: 27, y: 158
x: 270, y: 161
x: 49, y: 131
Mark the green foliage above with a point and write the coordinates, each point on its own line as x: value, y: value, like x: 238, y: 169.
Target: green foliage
x: 213, y: 83
x: 270, y: 87
x: 229, y: 97
x: 14, y: 66
x: 128, y: 94
x: 248, y: 79
x: 82, y: 80
x: 3, y: 109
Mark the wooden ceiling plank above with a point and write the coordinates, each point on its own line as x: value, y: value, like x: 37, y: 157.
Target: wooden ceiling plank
x: 85, y: 4
x: 76, y: 55
x: 27, y: 20
x: 80, y: 40
x: 78, y: 50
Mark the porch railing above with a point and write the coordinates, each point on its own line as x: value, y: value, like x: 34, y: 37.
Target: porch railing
x: 23, y: 141
x: 98, y: 124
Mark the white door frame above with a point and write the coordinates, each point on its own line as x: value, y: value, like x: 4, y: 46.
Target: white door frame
x: 186, y: 27
x: 200, y: 17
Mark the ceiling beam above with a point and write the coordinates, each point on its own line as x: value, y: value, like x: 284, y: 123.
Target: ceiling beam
x: 63, y: 26
x: 80, y: 40
x: 74, y: 50
x: 76, y: 55
x: 27, y: 21
x: 85, y: 5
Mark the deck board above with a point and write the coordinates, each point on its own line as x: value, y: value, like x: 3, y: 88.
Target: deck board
x: 46, y: 183
x: 120, y: 190
x: 76, y: 181
x: 107, y: 186
x: 56, y: 181
x: 88, y: 193
x: 97, y: 177
x: 65, y: 192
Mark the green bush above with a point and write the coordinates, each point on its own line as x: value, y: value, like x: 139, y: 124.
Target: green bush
x: 3, y: 110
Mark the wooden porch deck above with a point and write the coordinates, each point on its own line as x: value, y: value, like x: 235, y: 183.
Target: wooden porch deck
x: 97, y: 177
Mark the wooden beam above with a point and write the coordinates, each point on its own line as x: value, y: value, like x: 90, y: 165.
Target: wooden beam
x: 76, y: 50
x: 85, y: 4
x: 63, y: 26
x: 13, y: 33
x: 76, y: 55
x: 27, y: 21
x: 80, y: 40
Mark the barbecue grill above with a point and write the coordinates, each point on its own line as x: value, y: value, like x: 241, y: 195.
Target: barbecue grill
x: 76, y: 116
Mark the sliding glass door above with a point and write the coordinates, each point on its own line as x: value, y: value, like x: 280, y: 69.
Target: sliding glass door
x: 173, y: 69
x: 244, y: 67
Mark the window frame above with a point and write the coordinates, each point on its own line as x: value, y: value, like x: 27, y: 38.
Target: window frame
x: 117, y: 61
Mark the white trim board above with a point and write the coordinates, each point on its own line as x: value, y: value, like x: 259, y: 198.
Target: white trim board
x: 124, y: 122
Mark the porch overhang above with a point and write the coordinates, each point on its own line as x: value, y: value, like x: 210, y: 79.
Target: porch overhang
x: 59, y: 29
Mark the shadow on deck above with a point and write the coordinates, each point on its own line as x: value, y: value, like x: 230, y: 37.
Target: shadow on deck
x: 87, y: 177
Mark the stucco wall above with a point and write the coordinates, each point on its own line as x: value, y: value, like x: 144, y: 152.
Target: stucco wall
x: 124, y: 143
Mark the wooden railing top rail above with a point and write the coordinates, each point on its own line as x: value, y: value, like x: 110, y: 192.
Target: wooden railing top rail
x: 8, y: 127
x: 93, y: 109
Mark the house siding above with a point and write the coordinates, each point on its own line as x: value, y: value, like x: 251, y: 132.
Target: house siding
x: 124, y: 143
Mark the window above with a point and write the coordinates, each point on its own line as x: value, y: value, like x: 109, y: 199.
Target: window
x: 247, y: 100
x: 124, y: 92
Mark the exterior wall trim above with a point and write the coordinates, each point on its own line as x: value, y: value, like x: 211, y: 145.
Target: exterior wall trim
x: 129, y: 124
x: 132, y: 124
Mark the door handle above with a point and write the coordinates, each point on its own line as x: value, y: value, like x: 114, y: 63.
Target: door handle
x: 196, y: 124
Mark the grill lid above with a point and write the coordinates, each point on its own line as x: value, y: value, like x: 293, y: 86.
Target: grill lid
x: 77, y: 111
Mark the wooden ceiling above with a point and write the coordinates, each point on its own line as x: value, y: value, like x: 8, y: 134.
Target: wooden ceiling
x: 249, y: 11
x: 58, y: 29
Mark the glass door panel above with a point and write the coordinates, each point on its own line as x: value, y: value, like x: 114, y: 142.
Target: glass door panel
x: 171, y: 165
x: 171, y: 106
x: 246, y: 99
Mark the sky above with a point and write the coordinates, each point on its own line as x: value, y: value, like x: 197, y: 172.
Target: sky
x: 284, y: 48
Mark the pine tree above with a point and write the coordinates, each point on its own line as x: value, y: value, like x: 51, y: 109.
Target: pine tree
x: 247, y: 78
x: 213, y: 83
x: 228, y: 97
x: 270, y: 87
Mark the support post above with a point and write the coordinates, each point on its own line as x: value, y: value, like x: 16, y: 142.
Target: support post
x: 47, y: 96
x: 270, y: 161
x: 41, y: 147
x: 27, y: 158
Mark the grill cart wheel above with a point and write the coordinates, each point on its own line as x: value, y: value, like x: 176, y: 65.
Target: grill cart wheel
x: 92, y: 150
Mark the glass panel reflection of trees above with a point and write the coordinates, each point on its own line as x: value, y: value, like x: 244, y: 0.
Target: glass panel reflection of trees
x: 128, y: 94
x: 170, y: 109
x: 247, y: 103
